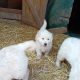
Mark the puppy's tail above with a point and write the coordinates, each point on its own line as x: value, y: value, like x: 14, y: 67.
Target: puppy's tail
x: 43, y: 27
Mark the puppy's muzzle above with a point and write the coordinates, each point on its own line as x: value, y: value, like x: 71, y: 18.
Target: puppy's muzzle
x: 45, y: 44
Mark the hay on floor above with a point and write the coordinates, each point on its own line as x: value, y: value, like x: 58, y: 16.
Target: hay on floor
x: 12, y: 32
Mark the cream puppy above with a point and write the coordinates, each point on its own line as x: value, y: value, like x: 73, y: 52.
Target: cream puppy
x: 70, y: 50
x: 14, y: 62
x: 43, y: 40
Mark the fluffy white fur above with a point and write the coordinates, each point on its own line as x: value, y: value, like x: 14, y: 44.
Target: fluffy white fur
x: 43, y: 40
x: 70, y: 50
x: 14, y: 62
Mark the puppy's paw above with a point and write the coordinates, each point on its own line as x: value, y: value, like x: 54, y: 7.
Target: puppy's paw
x: 46, y: 56
x: 39, y: 56
x: 58, y: 64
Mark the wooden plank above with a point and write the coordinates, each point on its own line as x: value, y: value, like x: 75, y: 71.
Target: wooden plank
x: 30, y: 23
x: 7, y: 13
x: 33, y: 11
x: 58, y: 30
x: 27, y: 16
x: 16, y: 11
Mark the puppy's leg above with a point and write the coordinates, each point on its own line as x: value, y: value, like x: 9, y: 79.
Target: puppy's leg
x: 27, y: 75
x: 74, y: 73
x: 70, y: 75
x: 46, y: 54
x: 60, y: 58
x: 38, y: 53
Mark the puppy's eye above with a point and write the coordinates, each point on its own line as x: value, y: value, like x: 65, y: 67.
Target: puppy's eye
x: 48, y: 39
x: 42, y: 38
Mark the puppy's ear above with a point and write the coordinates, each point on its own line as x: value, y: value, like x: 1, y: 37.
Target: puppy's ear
x: 37, y: 36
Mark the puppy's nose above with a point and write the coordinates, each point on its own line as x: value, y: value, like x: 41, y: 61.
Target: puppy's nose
x: 45, y: 44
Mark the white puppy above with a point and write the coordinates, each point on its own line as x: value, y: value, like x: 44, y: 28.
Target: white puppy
x: 14, y: 62
x: 43, y: 40
x: 70, y: 50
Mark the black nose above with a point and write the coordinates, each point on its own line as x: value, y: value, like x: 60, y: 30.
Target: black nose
x: 45, y: 44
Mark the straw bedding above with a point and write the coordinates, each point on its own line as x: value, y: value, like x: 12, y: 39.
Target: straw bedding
x: 12, y: 32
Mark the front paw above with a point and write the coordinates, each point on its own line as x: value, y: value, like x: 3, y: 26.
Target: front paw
x: 58, y: 64
x: 38, y: 56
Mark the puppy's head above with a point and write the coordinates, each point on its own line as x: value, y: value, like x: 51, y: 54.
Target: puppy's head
x: 44, y: 38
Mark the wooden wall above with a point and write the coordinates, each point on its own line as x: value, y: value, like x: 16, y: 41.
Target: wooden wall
x: 14, y: 4
x: 33, y: 12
